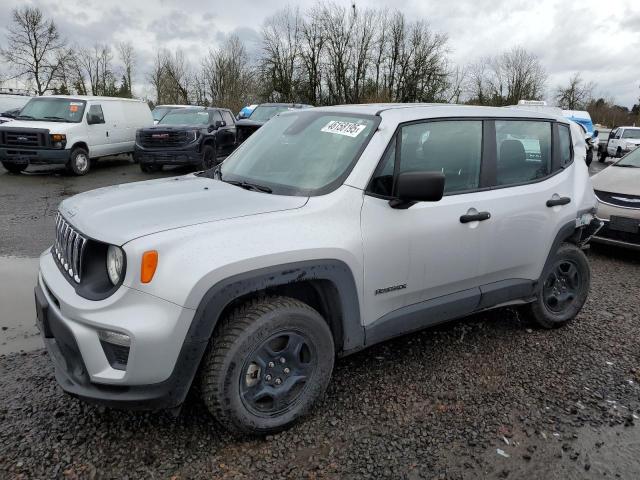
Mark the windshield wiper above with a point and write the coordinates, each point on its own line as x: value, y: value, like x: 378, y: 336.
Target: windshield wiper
x: 249, y: 186
x: 56, y: 118
x: 24, y: 117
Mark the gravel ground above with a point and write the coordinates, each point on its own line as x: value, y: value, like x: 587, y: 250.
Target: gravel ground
x: 490, y: 396
x: 437, y: 404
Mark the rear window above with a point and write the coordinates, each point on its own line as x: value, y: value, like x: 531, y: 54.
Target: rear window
x: 524, y: 151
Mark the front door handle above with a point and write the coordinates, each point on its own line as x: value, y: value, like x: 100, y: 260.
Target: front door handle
x: 475, y: 217
x: 554, y: 202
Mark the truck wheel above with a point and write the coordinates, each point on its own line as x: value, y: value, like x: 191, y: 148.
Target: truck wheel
x: 209, y: 157
x: 268, y: 363
x: 14, y: 167
x: 79, y: 163
x: 150, y: 167
x: 619, y: 152
x: 563, y: 289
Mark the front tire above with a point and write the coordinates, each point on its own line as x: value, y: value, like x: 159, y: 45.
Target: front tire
x: 209, y: 157
x: 269, y: 362
x: 14, y: 167
x: 79, y: 163
x: 563, y: 288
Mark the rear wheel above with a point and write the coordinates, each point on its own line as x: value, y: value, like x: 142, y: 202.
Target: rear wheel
x: 79, y: 163
x: 268, y: 363
x: 150, y: 167
x: 619, y: 152
x: 563, y: 289
x: 14, y: 167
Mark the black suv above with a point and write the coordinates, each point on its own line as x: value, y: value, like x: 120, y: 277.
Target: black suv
x: 196, y: 136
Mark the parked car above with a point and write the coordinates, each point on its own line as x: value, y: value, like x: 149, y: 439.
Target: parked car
x: 617, y: 188
x: 197, y: 136
x: 329, y: 230
x: 261, y: 114
x: 621, y: 141
x: 10, y: 105
x: 160, y: 111
x: 246, y: 111
x: 71, y: 131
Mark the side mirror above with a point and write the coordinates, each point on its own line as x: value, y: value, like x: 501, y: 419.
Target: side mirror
x: 611, y: 134
x: 415, y: 187
x: 216, y: 125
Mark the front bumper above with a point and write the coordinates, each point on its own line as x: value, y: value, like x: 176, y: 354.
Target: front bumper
x: 34, y: 156
x: 161, y: 365
x: 188, y: 155
x: 618, y: 238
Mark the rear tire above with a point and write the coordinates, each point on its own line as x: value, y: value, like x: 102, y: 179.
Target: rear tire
x: 14, y: 167
x: 79, y: 163
x: 267, y: 364
x: 619, y: 153
x: 150, y: 167
x: 563, y: 288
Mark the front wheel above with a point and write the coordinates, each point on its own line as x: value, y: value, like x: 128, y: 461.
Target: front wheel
x: 79, y: 163
x: 209, y: 157
x: 563, y: 288
x: 268, y: 363
x: 14, y: 167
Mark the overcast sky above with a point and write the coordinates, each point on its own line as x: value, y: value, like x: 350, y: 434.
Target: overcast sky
x: 597, y: 38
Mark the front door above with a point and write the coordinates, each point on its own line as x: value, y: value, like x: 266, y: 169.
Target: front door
x: 428, y: 251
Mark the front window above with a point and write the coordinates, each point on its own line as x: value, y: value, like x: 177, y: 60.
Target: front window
x: 185, y: 117
x: 159, y: 112
x: 53, y: 110
x: 631, y: 160
x: 262, y: 113
x: 632, y: 133
x: 301, y: 153
x: 11, y: 104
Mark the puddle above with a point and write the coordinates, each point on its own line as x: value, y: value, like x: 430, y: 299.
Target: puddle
x: 18, y: 331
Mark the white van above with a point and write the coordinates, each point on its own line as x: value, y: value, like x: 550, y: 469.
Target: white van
x: 71, y: 130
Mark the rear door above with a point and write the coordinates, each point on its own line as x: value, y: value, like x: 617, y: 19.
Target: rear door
x: 227, y: 134
x: 532, y: 166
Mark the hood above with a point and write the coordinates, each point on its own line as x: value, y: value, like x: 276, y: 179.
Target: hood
x: 618, y: 180
x: 121, y: 213
x: 54, y: 127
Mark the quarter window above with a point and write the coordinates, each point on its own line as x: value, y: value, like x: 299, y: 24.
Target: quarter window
x: 564, y: 137
x: 524, y: 151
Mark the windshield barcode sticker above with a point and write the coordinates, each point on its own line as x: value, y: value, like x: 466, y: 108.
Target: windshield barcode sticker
x: 349, y: 129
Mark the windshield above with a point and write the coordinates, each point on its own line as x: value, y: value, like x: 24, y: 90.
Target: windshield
x: 160, y: 112
x: 12, y: 103
x: 53, y: 110
x: 631, y: 133
x: 630, y: 160
x: 301, y: 153
x: 262, y: 113
x: 185, y: 117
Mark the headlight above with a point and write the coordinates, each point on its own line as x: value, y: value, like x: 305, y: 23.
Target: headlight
x: 58, y: 140
x: 115, y: 263
x: 191, y: 135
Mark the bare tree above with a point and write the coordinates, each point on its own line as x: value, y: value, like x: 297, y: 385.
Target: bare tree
x: 127, y: 56
x: 281, y: 36
x: 576, y: 95
x: 178, y: 77
x: 227, y: 75
x: 157, y: 76
x: 507, y: 78
x: 34, y: 48
x: 96, y: 64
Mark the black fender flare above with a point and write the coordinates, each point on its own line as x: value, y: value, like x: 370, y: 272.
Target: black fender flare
x: 220, y: 295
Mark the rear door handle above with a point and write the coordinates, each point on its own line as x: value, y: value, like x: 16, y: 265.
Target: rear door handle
x: 475, y: 217
x: 554, y: 202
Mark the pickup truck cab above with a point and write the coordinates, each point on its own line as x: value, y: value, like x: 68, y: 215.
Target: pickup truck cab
x: 197, y: 136
x: 329, y: 230
x: 622, y: 140
x: 73, y: 131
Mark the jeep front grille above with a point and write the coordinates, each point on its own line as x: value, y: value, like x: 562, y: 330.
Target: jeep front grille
x: 68, y: 249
